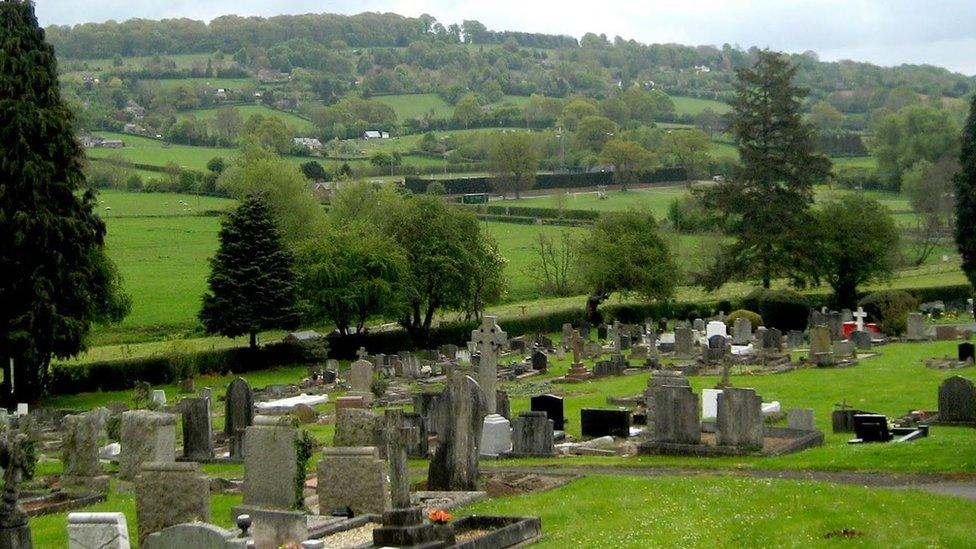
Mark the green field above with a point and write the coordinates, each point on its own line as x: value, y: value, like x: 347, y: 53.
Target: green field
x: 417, y: 105
x: 211, y: 83
x: 656, y: 200
x: 692, y: 105
x: 142, y: 150
x: 291, y: 120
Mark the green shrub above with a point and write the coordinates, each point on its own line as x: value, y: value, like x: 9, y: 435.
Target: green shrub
x: 688, y: 215
x: 782, y: 309
x: 755, y: 319
x: 889, y: 309
x: 436, y: 188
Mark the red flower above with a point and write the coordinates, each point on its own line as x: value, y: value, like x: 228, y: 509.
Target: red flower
x: 439, y: 516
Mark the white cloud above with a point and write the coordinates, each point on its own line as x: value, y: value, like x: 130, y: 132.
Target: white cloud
x: 889, y: 33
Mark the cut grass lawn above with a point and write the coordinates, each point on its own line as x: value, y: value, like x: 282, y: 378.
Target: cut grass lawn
x: 607, y: 511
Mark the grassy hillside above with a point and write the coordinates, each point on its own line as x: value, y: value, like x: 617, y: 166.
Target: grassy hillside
x: 246, y: 111
x: 142, y: 150
x: 693, y: 105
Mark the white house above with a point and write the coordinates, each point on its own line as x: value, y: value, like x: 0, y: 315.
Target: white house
x: 375, y: 134
x: 309, y: 143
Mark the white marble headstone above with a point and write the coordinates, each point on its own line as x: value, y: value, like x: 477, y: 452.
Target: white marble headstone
x: 716, y: 327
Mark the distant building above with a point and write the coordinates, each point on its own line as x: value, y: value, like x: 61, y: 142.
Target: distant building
x: 309, y: 143
x: 375, y: 134
x: 322, y: 190
x: 112, y: 144
x: 133, y: 128
x: 702, y: 68
x: 267, y: 75
x: 90, y: 141
x: 221, y: 93
x: 135, y: 109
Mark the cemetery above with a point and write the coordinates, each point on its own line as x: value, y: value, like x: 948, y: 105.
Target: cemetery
x: 330, y: 458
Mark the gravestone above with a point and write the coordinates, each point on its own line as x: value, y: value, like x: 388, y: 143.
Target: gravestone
x: 794, y: 339
x: 716, y: 327
x: 844, y: 349
x: 358, y: 427
x: 461, y: 407
x: 966, y: 352
x: 145, y: 436
x: 552, y: 406
x: 353, y: 477
x: 98, y: 531
x: 584, y: 330
x: 420, y: 448
x: 946, y: 333
x: 650, y: 339
x: 698, y: 325
x: 577, y: 371
x: 567, y: 336
x: 871, y: 428
x: 600, y: 423
x: 957, y: 401
x: 801, y: 419
x: 863, y: 340
x: 270, y: 463
x: 819, y: 341
x: 198, y: 535
x: 158, y: 397
x: 79, y: 450
x: 660, y: 378
x: 503, y: 406
x: 683, y: 342
x: 170, y: 493
x: 489, y: 340
x: 361, y: 379
x: 425, y: 404
x: 238, y: 415
x: 759, y: 340
x: 741, y: 331
x: 449, y: 351
x: 496, y: 436
x: 739, y: 421
x: 916, y: 328
x: 197, y: 429
x: 835, y: 324
x: 540, y: 360
x: 675, y: 415
x: 772, y: 340
x: 717, y: 349
x: 532, y: 435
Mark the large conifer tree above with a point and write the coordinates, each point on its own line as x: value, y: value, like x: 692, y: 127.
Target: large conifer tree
x: 966, y: 197
x: 768, y: 201
x: 54, y: 277
x: 252, y: 285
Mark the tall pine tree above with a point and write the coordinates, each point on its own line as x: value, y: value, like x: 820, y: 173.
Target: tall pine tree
x: 768, y: 201
x: 966, y: 197
x: 252, y: 284
x: 54, y: 277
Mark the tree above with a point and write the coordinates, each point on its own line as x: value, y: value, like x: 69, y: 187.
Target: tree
x: 709, y: 121
x: 554, y: 267
x: 514, y: 161
x: 687, y: 149
x: 55, y: 279
x: 467, y: 110
x: 966, y: 197
x: 628, y: 159
x: 355, y: 273
x: 313, y: 171
x: 227, y: 125
x: 252, y: 286
x: 624, y: 252
x: 767, y: 205
x: 929, y: 187
x: 451, y: 263
x: 575, y: 111
x: 592, y: 132
x: 912, y: 134
x: 825, y: 117
x: 269, y: 132
x: 856, y: 242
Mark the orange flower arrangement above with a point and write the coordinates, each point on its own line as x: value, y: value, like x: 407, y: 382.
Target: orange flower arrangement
x: 439, y: 516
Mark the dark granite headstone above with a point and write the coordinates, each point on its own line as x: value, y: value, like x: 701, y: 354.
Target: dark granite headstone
x: 552, y: 405
x: 871, y: 428
x: 540, y: 360
x: 238, y: 414
x: 967, y: 352
x: 957, y: 401
x: 601, y: 423
x: 197, y: 429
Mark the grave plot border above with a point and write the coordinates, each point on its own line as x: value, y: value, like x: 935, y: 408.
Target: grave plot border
x: 800, y: 440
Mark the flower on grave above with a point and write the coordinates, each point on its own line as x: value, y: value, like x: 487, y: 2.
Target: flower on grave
x: 439, y: 516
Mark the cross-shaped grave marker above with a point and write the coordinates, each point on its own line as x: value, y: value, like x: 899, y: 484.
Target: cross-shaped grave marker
x: 362, y: 354
x: 489, y: 340
x: 860, y: 315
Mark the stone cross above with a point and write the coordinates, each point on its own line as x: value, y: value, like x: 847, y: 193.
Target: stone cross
x: 398, y: 438
x: 362, y: 354
x: 489, y: 339
x: 577, y: 343
x: 860, y: 315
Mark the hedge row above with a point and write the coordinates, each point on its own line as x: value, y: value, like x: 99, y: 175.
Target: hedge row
x: 466, y: 185
x: 528, y: 211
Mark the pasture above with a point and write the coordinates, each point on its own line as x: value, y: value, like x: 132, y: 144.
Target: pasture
x: 293, y: 121
x: 693, y: 106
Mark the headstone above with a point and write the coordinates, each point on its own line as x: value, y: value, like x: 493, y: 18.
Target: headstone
x: 198, y: 535
x: 871, y: 428
x: 859, y: 317
x: 552, y: 406
x: 449, y: 351
x: 683, y: 342
x: 502, y: 404
x: 835, y: 324
x: 489, y: 341
x: 461, y: 407
x: 759, y: 340
x: 709, y: 403
x: 158, y: 397
x: 772, y: 340
x: 675, y: 415
x: 79, y: 450
x: 361, y: 379
x: 946, y: 333
x: 916, y: 328
x: 794, y: 339
x: 577, y: 371
x: 716, y: 327
x: 717, y: 348
x: 496, y: 436
x: 966, y: 352
x: 957, y: 401
x: 540, y: 361
x: 358, y: 427
x: 698, y: 325
x: 98, y: 531
x: 145, y: 437
x: 599, y: 423
x: 353, y: 477
x: 741, y: 331
x: 355, y: 401
x: 197, y: 429
x: 739, y: 421
x: 170, y: 493
x: 532, y: 435
x: 660, y: 378
x: 420, y: 448
x: 238, y: 414
x: 425, y: 404
x: 819, y: 341
x: 801, y: 419
x: 270, y: 463
x: 567, y: 336
x: 863, y: 340
x: 844, y: 349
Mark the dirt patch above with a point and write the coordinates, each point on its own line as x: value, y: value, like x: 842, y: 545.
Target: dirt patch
x: 512, y: 484
x: 845, y: 533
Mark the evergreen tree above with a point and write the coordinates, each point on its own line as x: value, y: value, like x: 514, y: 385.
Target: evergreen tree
x: 55, y: 279
x: 966, y: 197
x: 768, y: 202
x: 252, y: 285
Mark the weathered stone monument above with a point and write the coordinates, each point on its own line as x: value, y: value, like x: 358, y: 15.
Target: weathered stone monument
x: 79, y: 451
x: 489, y: 340
x: 238, y: 415
x: 98, y: 531
x: 916, y: 328
x: 197, y: 429
x: 800, y: 419
x: 270, y: 463
x: 353, y: 477
x: 684, y: 342
x: 145, y: 436
x: 357, y: 427
x: 675, y: 415
x: 532, y: 435
x: 957, y: 401
x: 197, y: 535
x: 361, y: 379
x: 169, y: 494
x: 577, y: 371
x: 821, y: 353
x: 552, y: 406
x: 739, y: 421
x: 458, y: 426
x: 18, y: 466
x: 741, y: 331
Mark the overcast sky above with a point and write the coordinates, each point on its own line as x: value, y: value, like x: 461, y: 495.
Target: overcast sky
x: 885, y: 32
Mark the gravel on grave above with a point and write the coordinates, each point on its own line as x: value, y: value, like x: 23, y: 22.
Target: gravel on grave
x: 354, y: 537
